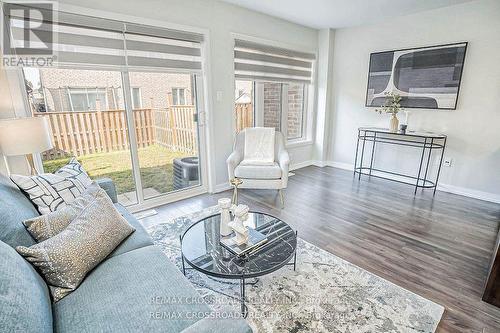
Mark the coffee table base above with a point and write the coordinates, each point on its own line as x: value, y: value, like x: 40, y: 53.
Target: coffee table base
x: 244, y: 307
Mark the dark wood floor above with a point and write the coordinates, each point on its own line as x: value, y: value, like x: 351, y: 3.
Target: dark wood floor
x: 438, y: 247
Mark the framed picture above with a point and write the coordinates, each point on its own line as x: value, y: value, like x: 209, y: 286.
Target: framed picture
x: 427, y: 77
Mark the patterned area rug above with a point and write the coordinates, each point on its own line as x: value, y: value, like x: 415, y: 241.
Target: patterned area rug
x: 324, y: 294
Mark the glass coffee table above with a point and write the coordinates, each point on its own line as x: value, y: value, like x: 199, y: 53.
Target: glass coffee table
x: 201, y: 249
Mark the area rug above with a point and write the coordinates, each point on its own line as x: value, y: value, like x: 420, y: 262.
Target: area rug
x: 324, y: 294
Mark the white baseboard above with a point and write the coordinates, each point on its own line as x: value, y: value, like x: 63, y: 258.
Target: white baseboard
x: 300, y: 165
x: 319, y: 163
x: 467, y: 192
x: 340, y: 165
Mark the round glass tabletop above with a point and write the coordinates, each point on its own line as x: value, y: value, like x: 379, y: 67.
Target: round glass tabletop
x: 202, y: 250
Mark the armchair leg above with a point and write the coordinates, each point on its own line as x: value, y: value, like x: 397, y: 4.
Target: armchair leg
x: 282, y: 199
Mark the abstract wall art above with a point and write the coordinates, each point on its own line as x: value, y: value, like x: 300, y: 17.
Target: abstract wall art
x: 427, y: 77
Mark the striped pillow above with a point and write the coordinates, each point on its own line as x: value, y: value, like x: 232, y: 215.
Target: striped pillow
x: 51, y: 191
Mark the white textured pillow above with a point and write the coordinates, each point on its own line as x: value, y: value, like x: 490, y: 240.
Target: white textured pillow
x: 50, y: 192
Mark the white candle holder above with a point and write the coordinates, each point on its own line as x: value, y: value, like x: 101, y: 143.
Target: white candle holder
x: 225, y: 206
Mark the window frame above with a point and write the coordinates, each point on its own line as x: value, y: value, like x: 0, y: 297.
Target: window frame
x: 85, y: 91
x: 178, y: 95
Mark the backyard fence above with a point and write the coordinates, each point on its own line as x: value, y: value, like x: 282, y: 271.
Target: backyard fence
x: 244, y: 116
x: 81, y: 133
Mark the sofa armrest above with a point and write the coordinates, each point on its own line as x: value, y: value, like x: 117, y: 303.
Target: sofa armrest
x: 109, y: 187
x: 211, y: 325
x: 232, y: 162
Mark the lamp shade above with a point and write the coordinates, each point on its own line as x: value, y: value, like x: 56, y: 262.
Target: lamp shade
x: 24, y: 136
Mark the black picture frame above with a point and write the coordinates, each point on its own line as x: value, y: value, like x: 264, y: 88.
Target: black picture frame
x: 415, y: 103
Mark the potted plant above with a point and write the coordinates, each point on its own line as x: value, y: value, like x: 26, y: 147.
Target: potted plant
x: 392, y: 107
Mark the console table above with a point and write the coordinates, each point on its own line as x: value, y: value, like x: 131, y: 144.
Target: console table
x: 425, y: 143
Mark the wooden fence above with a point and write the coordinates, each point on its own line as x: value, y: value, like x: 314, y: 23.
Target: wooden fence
x: 174, y: 128
x: 81, y: 133
x: 89, y: 132
x: 244, y: 116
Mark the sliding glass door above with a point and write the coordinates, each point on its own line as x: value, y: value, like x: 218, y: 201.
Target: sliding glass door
x: 138, y: 128
x: 121, y: 97
x: 166, y: 131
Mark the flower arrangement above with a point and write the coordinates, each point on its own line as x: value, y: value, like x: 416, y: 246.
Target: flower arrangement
x: 391, y: 104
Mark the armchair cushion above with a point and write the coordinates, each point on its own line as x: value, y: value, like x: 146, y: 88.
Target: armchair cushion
x: 258, y: 171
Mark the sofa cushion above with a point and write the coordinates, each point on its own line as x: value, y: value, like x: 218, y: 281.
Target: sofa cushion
x: 258, y: 171
x: 66, y: 258
x: 139, y: 238
x: 24, y: 298
x: 125, y: 293
x: 48, y: 225
x: 15, y: 207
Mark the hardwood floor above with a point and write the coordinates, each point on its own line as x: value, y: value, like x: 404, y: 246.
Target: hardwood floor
x: 438, y: 247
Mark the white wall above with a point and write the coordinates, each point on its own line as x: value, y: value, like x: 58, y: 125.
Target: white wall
x: 221, y: 20
x: 473, y: 129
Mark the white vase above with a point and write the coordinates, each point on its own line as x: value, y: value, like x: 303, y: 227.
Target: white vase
x: 394, y: 123
x: 225, y: 216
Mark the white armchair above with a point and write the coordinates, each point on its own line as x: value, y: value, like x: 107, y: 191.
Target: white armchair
x: 264, y: 177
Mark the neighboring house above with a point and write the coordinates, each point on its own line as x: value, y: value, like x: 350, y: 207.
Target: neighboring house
x: 83, y: 90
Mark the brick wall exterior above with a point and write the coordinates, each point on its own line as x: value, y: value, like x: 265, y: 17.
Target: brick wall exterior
x: 295, y: 110
x: 155, y: 87
x: 272, y: 105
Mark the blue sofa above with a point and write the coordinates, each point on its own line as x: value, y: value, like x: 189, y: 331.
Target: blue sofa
x: 119, y: 295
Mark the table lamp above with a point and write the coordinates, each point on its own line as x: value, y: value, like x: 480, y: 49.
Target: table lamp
x: 25, y: 136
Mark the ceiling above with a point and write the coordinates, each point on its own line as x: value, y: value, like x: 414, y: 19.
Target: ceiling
x: 340, y: 13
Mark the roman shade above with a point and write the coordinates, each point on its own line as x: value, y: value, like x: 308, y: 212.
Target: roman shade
x: 80, y: 39
x: 254, y: 61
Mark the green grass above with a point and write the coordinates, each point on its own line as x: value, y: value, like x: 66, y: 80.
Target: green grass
x: 155, y: 162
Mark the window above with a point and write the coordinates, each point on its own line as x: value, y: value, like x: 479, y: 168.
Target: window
x: 179, y: 96
x: 280, y: 79
x: 243, y: 110
x: 271, y: 104
x: 136, y: 98
x: 88, y: 99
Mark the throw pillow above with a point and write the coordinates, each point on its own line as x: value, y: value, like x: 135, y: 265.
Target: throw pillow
x: 65, y: 259
x: 45, y: 226
x: 50, y: 192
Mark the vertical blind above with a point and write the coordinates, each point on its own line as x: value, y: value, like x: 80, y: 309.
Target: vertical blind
x: 256, y: 61
x: 80, y: 39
